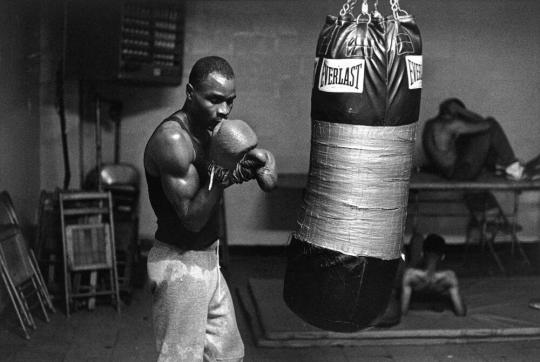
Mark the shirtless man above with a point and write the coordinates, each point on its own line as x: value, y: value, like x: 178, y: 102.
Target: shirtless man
x: 426, y: 280
x: 460, y: 144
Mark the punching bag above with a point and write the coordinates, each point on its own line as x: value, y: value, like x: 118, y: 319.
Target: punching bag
x: 344, y: 254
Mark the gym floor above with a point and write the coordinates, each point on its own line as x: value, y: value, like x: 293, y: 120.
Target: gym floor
x: 103, y: 335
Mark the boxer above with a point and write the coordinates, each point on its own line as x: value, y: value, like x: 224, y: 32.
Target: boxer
x: 189, y: 160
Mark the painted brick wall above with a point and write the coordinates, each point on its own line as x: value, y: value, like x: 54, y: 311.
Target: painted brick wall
x: 485, y: 51
x: 19, y: 110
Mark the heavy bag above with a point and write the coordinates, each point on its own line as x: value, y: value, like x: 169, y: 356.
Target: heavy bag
x: 343, y: 257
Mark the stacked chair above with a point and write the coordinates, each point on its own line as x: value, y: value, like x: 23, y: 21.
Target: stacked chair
x: 19, y: 269
x: 87, y: 224
x: 122, y: 180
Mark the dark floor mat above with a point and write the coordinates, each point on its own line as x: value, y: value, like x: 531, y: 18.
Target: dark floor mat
x: 497, y: 310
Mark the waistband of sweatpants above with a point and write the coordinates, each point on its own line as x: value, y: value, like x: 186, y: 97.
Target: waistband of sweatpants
x: 211, y: 248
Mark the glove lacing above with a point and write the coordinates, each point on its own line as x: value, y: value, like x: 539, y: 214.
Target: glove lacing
x: 224, y: 176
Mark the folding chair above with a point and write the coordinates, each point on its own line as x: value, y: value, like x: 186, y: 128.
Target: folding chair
x: 89, y: 249
x: 48, y: 240
x: 123, y: 181
x: 487, y: 215
x: 19, y: 269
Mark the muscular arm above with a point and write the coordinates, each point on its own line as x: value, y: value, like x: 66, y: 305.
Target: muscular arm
x: 466, y: 122
x: 405, y: 299
x: 406, y: 290
x: 172, y: 156
x: 192, y: 202
x: 455, y: 296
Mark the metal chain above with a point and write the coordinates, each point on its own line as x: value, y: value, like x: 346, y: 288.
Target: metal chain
x: 394, y: 4
x: 365, y: 12
x: 350, y: 4
x: 365, y: 9
x: 347, y: 7
x: 376, y: 12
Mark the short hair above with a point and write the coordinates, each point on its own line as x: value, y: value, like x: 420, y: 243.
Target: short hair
x: 434, y: 244
x: 443, y: 108
x: 207, y: 65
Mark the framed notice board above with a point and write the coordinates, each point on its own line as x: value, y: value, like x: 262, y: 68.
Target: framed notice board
x: 119, y: 40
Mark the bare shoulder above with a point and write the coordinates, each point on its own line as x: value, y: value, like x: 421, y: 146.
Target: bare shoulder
x: 413, y: 273
x: 169, y: 150
x: 446, y: 274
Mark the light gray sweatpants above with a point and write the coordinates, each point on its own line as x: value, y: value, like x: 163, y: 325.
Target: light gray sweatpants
x: 192, y: 309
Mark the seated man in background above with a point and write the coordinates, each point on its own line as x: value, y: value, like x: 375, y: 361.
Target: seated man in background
x: 426, y: 286
x: 460, y: 144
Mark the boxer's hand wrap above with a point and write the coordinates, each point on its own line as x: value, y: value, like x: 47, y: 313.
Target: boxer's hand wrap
x: 242, y: 173
x: 218, y: 175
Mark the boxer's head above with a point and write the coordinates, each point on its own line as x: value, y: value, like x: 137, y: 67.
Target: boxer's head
x: 447, y: 107
x: 210, y: 92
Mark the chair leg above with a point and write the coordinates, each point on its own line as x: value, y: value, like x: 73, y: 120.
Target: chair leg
x: 41, y: 300
x: 41, y: 283
x: 25, y: 307
x: 67, y: 290
x: 472, y: 235
x: 490, y: 244
x: 93, y: 288
x: 17, y: 305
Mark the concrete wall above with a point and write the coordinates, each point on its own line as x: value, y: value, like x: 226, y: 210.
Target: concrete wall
x: 19, y: 110
x: 19, y: 105
x: 485, y: 51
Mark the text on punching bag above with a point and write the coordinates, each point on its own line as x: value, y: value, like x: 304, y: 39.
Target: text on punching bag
x: 341, y: 75
x: 414, y: 71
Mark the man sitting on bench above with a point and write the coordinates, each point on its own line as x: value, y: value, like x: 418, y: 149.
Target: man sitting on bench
x: 460, y: 144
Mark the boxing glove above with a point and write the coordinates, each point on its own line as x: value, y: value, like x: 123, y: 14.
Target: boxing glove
x: 230, y: 141
x: 263, y: 163
x: 229, y: 144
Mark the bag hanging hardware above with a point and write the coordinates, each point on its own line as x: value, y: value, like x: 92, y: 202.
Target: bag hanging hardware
x: 375, y: 12
x: 394, y: 4
x: 365, y: 13
x: 348, y: 7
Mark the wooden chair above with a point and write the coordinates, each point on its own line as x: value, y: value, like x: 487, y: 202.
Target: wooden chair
x: 19, y: 269
x: 87, y: 224
x: 123, y: 181
x: 48, y: 241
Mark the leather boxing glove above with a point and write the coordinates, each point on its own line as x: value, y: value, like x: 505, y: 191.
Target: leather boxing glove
x: 264, y: 164
x: 229, y: 143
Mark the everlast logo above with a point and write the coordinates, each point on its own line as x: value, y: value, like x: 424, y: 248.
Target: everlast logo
x: 341, y: 76
x: 414, y: 71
